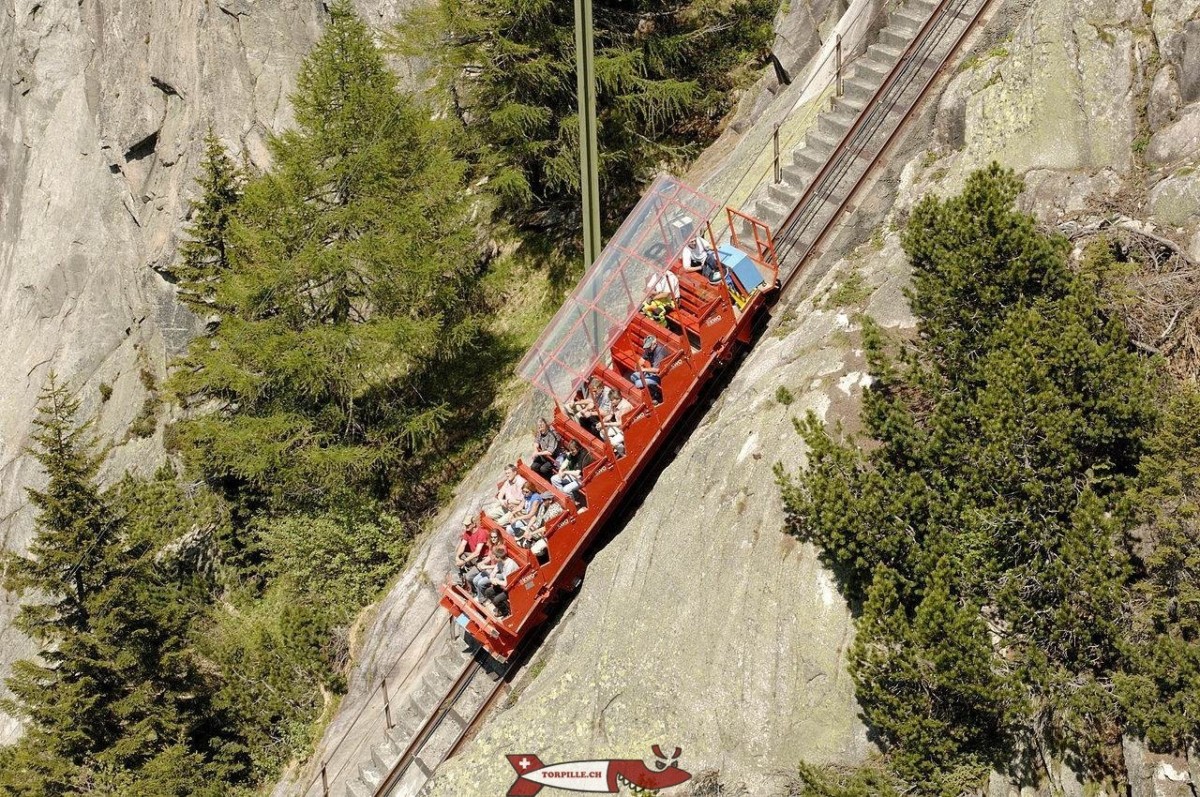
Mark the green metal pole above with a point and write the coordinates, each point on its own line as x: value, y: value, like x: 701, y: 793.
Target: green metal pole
x: 589, y: 163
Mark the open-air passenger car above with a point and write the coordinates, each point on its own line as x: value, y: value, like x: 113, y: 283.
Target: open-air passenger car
x: 598, y: 332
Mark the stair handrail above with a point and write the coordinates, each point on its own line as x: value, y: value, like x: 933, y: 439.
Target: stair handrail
x: 886, y: 85
x: 847, y: 44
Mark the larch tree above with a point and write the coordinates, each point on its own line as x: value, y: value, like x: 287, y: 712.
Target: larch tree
x: 204, y: 254
x: 351, y: 287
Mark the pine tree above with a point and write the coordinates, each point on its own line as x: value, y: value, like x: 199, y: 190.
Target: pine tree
x: 1005, y: 438
x: 665, y: 72
x: 204, y: 254
x: 928, y: 684
x: 352, y: 285
x: 1160, y: 688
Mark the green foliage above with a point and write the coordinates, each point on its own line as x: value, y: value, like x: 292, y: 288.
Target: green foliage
x: 870, y: 780
x: 116, y: 686
x: 784, y: 396
x: 1161, y: 688
x: 1008, y: 434
x: 342, y: 560
x: 665, y: 71
x: 204, y: 255
x: 852, y: 291
x: 351, y: 285
x: 276, y: 655
x: 927, y: 683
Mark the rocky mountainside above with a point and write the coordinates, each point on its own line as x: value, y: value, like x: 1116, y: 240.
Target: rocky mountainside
x: 702, y: 625
x: 103, y: 106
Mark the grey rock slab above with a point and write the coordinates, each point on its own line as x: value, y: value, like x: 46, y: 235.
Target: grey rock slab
x: 1062, y: 98
x: 1165, y: 100
x: 1175, y: 201
x: 103, y: 108
x: 1177, y: 141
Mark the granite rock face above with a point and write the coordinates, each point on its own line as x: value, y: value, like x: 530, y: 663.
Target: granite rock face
x: 103, y: 106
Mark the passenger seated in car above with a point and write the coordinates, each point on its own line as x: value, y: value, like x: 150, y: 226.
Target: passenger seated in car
x: 546, y: 449
x: 699, y: 255
x: 471, y: 547
x: 664, y: 296
x: 496, y: 589
x: 570, y: 477
x: 508, y: 496
x: 583, y: 409
x: 477, y: 577
x: 617, y: 407
x: 530, y: 504
x: 603, y: 402
x: 647, y: 375
x: 537, y: 533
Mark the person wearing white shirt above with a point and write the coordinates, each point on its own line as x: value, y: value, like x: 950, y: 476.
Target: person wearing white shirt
x: 699, y: 255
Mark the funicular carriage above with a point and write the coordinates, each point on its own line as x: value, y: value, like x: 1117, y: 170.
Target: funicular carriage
x: 598, y: 332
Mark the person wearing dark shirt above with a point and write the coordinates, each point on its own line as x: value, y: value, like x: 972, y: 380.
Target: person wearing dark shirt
x: 546, y: 445
x: 647, y: 375
x: 570, y: 477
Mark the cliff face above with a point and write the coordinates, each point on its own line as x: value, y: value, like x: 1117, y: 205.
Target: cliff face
x: 103, y: 105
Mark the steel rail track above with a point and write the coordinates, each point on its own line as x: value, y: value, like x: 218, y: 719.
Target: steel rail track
x: 324, y: 777
x: 858, y: 137
x: 820, y: 190
x: 447, y: 708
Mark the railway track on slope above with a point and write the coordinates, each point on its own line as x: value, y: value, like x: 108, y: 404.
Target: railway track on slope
x: 876, y: 129
x: 451, y: 721
x: 455, y: 718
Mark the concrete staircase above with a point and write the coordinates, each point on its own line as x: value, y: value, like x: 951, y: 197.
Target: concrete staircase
x: 865, y: 75
x: 407, y: 719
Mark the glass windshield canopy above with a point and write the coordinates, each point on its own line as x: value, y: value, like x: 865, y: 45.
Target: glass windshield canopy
x: 650, y: 239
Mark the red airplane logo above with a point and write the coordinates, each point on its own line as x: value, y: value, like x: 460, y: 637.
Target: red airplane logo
x: 605, y: 776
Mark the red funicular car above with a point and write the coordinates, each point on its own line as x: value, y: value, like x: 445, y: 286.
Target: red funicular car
x: 599, y: 332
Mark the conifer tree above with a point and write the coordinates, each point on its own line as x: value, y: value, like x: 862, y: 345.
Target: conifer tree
x: 1160, y: 688
x: 665, y: 72
x: 928, y: 685
x: 351, y: 287
x: 204, y: 254
x: 1006, y: 436
x: 115, y: 685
